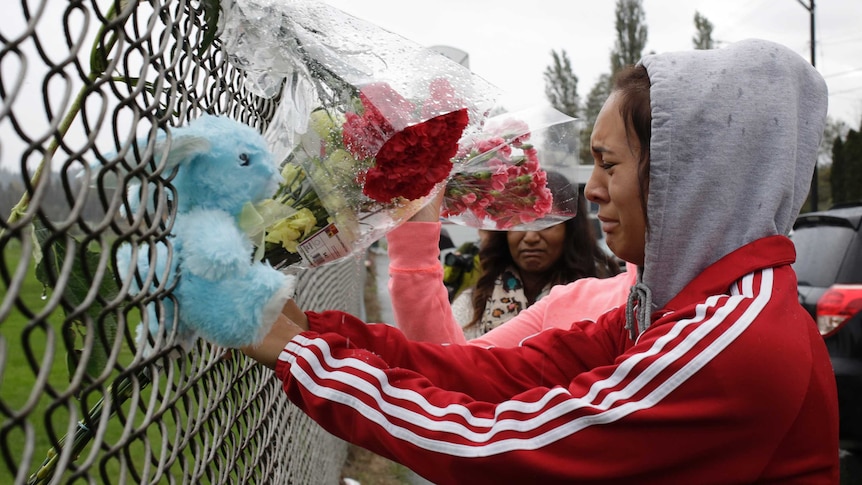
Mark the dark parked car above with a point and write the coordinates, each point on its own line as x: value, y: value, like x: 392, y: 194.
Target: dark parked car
x: 829, y: 268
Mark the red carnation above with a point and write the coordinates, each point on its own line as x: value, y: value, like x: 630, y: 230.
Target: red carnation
x: 415, y: 159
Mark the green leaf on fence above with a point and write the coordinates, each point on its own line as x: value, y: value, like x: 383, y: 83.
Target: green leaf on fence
x: 212, y: 9
x: 98, y: 59
x: 54, y: 254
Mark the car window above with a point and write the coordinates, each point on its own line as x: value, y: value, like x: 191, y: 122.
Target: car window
x: 820, y: 251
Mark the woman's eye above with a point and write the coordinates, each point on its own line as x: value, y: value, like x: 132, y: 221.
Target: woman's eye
x: 607, y: 166
x: 244, y: 160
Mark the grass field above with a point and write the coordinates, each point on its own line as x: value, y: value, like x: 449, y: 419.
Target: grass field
x: 24, y: 343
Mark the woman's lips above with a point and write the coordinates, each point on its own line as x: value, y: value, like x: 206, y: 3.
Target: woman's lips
x: 532, y: 253
x: 608, y: 225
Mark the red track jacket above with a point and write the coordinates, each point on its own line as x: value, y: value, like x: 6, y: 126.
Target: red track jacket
x: 730, y: 384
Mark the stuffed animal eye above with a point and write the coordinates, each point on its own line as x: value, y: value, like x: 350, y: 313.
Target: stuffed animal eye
x: 244, y: 158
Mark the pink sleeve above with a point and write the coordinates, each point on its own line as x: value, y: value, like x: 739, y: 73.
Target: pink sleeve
x: 421, y: 305
x: 420, y: 302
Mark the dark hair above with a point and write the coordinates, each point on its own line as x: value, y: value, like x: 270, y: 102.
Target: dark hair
x: 632, y: 85
x: 582, y: 257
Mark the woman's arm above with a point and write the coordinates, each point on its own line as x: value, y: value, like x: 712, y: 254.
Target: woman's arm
x: 514, y: 369
x: 420, y: 302
x: 556, y: 410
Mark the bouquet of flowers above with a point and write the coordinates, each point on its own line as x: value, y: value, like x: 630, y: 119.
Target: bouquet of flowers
x: 500, y: 180
x: 367, y: 125
x: 355, y: 174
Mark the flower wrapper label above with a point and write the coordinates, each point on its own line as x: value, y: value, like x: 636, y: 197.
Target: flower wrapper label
x: 301, y: 215
x: 325, y: 245
x: 516, y: 173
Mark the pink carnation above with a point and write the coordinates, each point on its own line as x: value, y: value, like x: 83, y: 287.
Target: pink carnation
x: 510, y: 190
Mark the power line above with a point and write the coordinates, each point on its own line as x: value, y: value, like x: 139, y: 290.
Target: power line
x: 840, y: 39
x: 843, y: 91
x: 825, y: 76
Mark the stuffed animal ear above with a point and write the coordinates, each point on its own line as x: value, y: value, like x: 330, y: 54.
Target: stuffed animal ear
x: 185, y: 145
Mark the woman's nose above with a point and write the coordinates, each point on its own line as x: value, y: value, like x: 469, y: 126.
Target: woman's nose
x: 594, y: 191
x: 532, y: 237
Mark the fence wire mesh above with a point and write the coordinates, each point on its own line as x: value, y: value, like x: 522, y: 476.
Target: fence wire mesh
x: 80, y: 401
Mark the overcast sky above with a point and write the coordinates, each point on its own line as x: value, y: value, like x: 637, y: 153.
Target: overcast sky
x: 509, y: 42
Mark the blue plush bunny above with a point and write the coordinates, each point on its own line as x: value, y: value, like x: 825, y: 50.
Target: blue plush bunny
x: 222, y: 294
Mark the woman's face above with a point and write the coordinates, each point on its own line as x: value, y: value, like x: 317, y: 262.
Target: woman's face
x: 614, y: 184
x: 536, y: 251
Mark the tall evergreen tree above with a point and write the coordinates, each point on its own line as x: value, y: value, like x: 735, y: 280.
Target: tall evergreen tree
x: 835, y: 128
x: 829, y: 179
x: 824, y: 187
x: 853, y: 166
x: 703, y: 36
x: 561, y: 89
x: 631, y: 34
x: 561, y: 85
x: 628, y: 49
x: 846, y: 175
x: 836, y: 181
x: 595, y: 99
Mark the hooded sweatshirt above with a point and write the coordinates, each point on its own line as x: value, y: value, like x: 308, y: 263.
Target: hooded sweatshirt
x: 721, y: 119
x: 727, y: 381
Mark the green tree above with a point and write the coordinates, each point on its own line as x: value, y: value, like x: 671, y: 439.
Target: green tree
x: 830, y: 169
x: 853, y: 166
x: 561, y: 85
x: 561, y: 89
x: 703, y: 35
x: 824, y: 187
x: 628, y: 49
x: 846, y: 174
x: 595, y: 99
x: 835, y: 128
x: 837, y: 171
x: 631, y: 34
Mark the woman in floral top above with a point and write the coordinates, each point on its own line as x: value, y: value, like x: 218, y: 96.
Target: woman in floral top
x: 520, y: 267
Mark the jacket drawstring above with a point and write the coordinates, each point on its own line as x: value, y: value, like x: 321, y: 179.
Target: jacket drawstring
x: 640, y: 297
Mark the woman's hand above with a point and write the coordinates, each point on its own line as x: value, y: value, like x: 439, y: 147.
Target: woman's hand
x: 430, y: 212
x: 268, y: 350
x: 295, y: 314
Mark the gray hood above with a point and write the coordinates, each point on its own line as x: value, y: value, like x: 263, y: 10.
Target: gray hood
x: 735, y: 133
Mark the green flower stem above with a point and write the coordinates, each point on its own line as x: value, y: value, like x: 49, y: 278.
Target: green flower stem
x: 84, y: 432
x: 20, y: 209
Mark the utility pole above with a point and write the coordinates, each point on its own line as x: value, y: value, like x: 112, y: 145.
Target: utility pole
x: 814, y: 182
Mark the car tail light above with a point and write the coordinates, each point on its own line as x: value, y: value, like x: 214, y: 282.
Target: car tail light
x: 836, y: 306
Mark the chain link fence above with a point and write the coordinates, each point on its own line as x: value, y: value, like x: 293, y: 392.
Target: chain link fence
x: 80, y: 401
